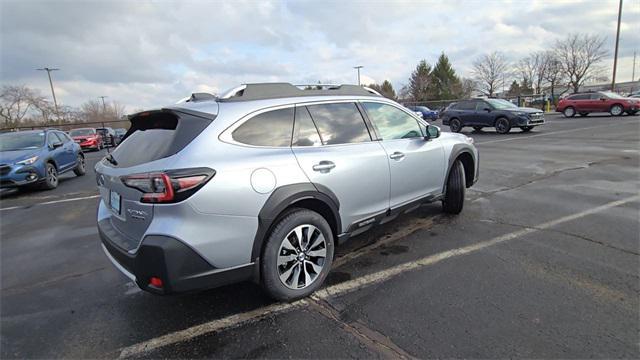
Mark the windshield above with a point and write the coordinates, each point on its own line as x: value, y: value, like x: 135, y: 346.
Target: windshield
x: 612, y: 95
x: 501, y: 104
x: 81, y: 132
x: 21, y: 141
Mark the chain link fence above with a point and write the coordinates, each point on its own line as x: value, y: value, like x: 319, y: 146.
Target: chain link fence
x: 70, y: 126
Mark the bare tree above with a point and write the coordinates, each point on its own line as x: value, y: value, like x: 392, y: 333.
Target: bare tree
x: 579, y: 56
x: 553, y: 75
x: 527, y: 68
x: 489, y: 71
x: 15, y: 103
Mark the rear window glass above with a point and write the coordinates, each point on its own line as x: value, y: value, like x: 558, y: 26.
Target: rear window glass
x: 579, y: 97
x: 156, y: 135
x: 272, y: 128
x: 339, y: 123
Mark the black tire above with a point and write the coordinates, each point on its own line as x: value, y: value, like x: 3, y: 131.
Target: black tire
x: 526, y: 128
x: 51, y: 177
x: 616, y: 110
x: 454, y: 194
x: 455, y: 125
x: 503, y: 126
x: 569, y: 112
x: 583, y: 114
x: 80, y: 168
x: 477, y: 128
x: 274, y: 247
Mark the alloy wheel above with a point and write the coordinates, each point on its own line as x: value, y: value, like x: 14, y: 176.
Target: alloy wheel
x: 301, y: 256
x: 52, y: 175
x: 616, y: 110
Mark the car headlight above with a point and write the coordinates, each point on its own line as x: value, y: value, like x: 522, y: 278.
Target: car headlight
x: 28, y: 161
x: 521, y: 114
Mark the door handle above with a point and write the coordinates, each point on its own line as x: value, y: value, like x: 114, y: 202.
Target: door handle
x: 324, y: 166
x: 397, y: 155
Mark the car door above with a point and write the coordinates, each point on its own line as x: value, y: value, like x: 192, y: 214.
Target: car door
x: 56, y: 152
x: 343, y: 159
x: 467, y: 112
x: 582, y: 102
x: 483, y: 115
x: 416, y: 165
x: 67, y: 153
x: 598, y: 103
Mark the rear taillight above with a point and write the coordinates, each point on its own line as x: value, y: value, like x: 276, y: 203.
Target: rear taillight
x: 168, y: 186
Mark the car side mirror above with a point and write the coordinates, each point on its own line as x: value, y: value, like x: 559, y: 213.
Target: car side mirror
x: 487, y: 109
x: 603, y: 99
x: 56, y: 144
x: 433, y: 132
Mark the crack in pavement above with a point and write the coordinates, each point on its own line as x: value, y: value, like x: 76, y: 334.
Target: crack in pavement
x: 17, y: 289
x: 581, y: 237
x: 372, y: 339
x: 547, y: 176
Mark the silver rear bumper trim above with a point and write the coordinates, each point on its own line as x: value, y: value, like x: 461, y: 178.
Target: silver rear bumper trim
x: 116, y: 264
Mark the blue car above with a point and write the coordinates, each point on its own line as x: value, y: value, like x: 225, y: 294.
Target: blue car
x: 37, y: 158
x: 427, y: 114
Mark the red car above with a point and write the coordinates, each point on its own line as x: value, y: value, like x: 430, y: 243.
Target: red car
x: 601, y: 101
x: 87, y: 138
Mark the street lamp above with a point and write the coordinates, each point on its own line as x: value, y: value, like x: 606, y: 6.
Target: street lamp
x: 49, y: 70
x: 358, y: 68
x: 103, y: 106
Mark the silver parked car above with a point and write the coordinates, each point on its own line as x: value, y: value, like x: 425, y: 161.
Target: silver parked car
x: 265, y: 181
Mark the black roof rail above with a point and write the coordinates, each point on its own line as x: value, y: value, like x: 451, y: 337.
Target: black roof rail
x: 263, y: 91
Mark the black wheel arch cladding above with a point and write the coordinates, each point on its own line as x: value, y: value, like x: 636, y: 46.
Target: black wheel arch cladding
x: 469, y: 166
x: 285, y: 196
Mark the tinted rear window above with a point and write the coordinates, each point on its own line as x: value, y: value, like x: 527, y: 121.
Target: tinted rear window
x: 466, y: 105
x: 339, y: 123
x: 272, y: 128
x: 156, y: 135
x: 579, y: 97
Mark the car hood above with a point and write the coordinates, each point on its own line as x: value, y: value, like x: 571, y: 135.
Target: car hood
x: 527, y: 110
x: 11, y: 157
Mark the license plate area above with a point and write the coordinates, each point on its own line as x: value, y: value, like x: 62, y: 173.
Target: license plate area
x: 115, y: 201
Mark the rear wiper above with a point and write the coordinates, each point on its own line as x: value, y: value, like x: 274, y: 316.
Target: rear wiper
x: 110, y: 159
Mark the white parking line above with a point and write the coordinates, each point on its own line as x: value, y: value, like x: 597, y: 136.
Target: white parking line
x: 351, y: 285
x: 50, y: 202
x: 554, y: 133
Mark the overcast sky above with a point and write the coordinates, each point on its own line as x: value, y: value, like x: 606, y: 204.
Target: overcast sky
x: 150, y: 53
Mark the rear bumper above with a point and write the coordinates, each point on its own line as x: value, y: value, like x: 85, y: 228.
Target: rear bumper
x: 179, y: 267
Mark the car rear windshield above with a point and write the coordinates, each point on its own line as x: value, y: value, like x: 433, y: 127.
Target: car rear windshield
x: 156, y: 135
x: 81, y: 132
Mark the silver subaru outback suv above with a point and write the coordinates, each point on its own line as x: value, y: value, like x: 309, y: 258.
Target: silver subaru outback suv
x: 265, y: 181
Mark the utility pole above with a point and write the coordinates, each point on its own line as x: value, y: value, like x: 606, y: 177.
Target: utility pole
x: 358, y: 68
x: 55, y: 102
x: 104, y: 110
x: 633, y: 70
x: 615, y: 56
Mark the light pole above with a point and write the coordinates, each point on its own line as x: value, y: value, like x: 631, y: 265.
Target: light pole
x: 358, y: 68
x: 55, y: 102
x: 615, y: 56
x: 103, y: 106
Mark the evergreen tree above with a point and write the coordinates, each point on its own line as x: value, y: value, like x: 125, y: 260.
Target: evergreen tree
x: 446, y: 83
x: 514, y: 89
x: 387, y: 90
x: 421, y: 83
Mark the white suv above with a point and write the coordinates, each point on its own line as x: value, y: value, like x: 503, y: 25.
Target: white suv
x: 265, y: 181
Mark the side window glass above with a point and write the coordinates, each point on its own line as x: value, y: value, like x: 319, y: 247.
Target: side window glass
x: 63, y: 138
x: 272, y: 128
x: 481, y: 105
x: 467, y: 105
x: 52, y: 139
x: 339, y: 123
x: 392, y: 123
x: 304, y: 131
x: 596, y: 96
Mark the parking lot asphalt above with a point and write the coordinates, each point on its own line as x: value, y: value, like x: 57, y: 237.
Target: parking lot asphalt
x: 542, y: 262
